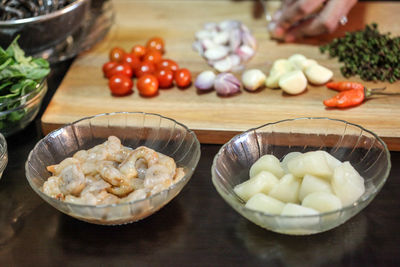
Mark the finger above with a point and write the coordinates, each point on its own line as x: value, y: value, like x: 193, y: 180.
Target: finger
x: 325, y: 22
x: 296, y: 11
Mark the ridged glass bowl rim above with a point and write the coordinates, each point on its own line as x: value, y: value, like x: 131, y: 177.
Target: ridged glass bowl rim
x: 322, y: 214
x: 183, y: 180
x: 38, y: 92
x: 3, y: 150
x: 68, y: 8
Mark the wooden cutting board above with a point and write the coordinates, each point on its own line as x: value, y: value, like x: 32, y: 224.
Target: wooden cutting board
x: 215, y: 119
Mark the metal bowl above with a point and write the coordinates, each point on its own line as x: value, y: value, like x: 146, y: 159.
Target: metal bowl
x: 42, y: 32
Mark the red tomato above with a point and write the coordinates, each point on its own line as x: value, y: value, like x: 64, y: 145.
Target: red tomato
x: 168, y: 63
x: 147, y: 85
x: 152, y: 56
x: 165, y: 77
x: 156, y: 43
x: 131, y: 60
x: 108, y: 66
x: 139, y: 51
x: 116, y: 54
x: 120, y: 84
x: 183, y: 78
x: 145, y: 67
x: 122, y: 68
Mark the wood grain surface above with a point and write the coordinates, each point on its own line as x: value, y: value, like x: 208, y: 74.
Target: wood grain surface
x: 215, y: 119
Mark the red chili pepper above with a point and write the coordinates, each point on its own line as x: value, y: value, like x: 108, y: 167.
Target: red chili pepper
x: 343, y: 86
x: 345, y: 99
x: 353, y: 97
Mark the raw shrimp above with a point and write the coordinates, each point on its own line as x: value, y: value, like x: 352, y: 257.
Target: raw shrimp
x: 128, y: 166
x: 157, y: 174
x: 168, y: 162
x: 72, y: 180
x: 57, y: 168
x: 135, y: 195
x: 52, y: 187
x: 111, y: 173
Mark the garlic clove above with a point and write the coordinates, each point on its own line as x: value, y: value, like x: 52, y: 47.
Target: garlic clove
x: 317, y: 74
x: 297, y: 60
x: 216, y: 53
x: 245, y: 52
x: 205, y: 80
x: 253, y: 79
x: 307, y: 63
x: 226, y: 84
x: 293, y: 82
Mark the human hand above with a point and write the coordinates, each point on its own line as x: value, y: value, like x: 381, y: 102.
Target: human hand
x: 301, y: 18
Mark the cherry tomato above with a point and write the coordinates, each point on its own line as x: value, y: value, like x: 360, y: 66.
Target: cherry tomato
x: 168, y: 63
x: 120, y: 84
x: 139, y: 51
x: 183, y: 78
x: 152, y: 56
x: 116, y: 54
x: 156, y: 43
x: 108, y: 66
x: 122, y: 68
x: 147, y: 85
x: 131, y: 60
x: 145, y: 67
x: 165, y: 77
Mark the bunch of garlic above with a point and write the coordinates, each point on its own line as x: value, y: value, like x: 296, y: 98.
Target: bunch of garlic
x: 302, y: 184
x: 292, y: 74
x: 225, y: 45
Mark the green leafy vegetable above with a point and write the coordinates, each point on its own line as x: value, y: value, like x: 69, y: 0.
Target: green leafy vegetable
x: 19, y: 75
x: 368, y: 53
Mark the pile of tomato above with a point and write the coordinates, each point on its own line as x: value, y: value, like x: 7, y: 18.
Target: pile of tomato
x: 148, y: 65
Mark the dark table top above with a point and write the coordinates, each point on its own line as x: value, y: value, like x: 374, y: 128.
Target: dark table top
x: 197, y: 228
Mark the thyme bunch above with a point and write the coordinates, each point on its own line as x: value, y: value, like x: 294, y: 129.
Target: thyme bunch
x: 368, y: 53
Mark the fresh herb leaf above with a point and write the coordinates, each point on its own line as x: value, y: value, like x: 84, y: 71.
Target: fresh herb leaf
x: 19, y: 75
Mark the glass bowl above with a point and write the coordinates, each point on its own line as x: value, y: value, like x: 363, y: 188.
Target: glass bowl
x: 345, y: 141
x: 135, y: 129
x: 17, y: 113
x: 3, y: 154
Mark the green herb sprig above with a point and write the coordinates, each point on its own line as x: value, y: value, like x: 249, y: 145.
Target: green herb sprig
x: 368, y: 53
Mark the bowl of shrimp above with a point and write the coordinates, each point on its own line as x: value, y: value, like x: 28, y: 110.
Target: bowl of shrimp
x: 113, y: 168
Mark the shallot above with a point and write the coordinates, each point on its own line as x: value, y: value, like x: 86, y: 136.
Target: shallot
x: 226, y: 45
x: 226, y: 84
x: 205, y: 80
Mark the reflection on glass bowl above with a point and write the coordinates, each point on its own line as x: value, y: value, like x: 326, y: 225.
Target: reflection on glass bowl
x: 17, y: 113
x: 135, y: 129
x: 345, y: 141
